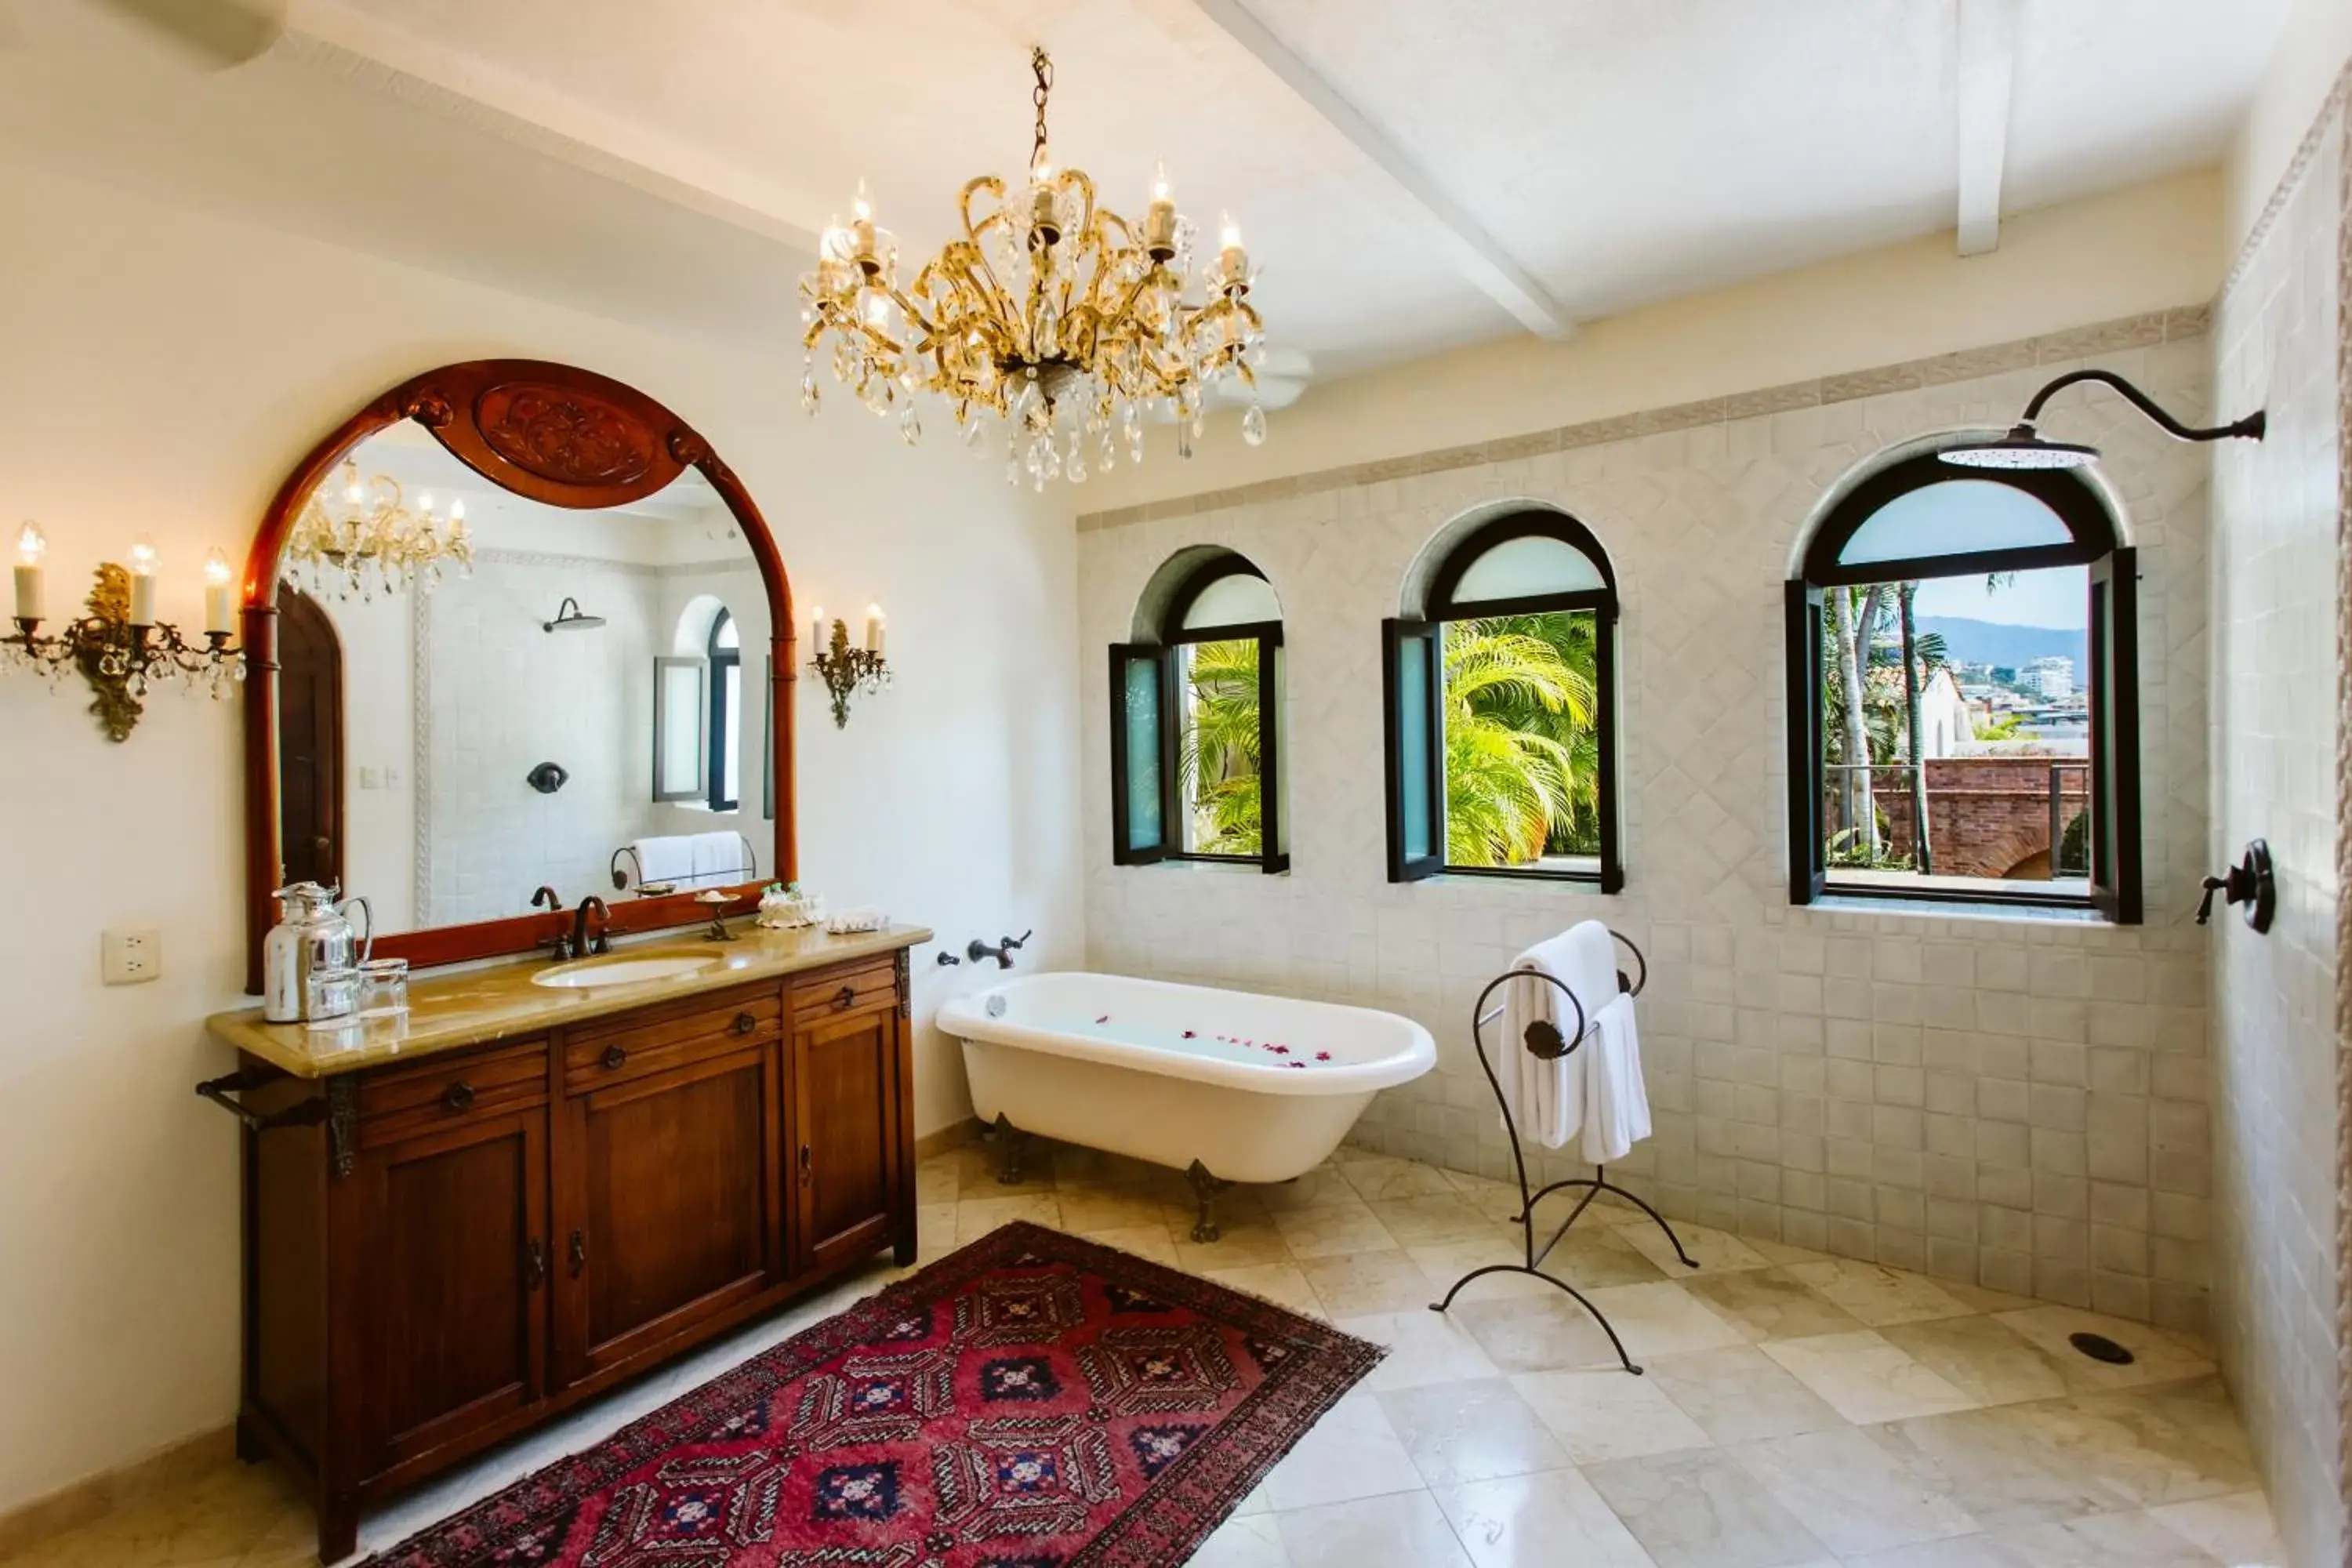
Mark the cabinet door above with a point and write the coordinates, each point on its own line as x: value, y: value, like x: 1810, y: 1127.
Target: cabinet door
x: 669, y: 1209
x: 846, y: 1161
x: 451, y: 1237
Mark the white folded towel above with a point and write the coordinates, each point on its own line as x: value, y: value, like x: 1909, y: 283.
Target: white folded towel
x: 718, y: 858
x: 668, y: 858
x: 1616, y: 1105
x: 1550, y: 1100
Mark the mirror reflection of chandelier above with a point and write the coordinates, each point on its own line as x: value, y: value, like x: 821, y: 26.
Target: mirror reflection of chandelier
x: 369, y: 542
x: 1052, y: 312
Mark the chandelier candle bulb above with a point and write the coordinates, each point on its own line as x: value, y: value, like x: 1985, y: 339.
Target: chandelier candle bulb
x: 30, y: 547
x: 217, y: 604
x: 142, y: 581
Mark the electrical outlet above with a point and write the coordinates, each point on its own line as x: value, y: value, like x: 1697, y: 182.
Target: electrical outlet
x: 130, y: 956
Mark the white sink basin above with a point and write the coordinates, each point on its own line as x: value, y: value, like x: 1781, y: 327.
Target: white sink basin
x: 621, y: 971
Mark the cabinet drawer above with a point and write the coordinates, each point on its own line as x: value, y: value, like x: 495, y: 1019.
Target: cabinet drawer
x: 443, y: 1088
x: 815, y: 997
x: 661, y: 1038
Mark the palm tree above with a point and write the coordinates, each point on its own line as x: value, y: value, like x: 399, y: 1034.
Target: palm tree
x: 1521, y: 748
x: 1522, y: 768
x: 1217, y: 752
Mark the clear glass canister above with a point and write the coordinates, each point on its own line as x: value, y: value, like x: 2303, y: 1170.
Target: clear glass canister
x: 384, y: 987
x: 333, y: 993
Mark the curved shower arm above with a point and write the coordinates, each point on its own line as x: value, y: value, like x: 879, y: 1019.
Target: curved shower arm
x: 2251, y: 426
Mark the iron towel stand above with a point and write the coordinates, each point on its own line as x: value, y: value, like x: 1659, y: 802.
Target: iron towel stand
x: 1544, y: 1042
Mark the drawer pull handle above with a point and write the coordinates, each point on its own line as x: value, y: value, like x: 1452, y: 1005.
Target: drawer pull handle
x: 535, y: 1263
x: 579, y: 1252
x: 804, y: 1165
x: 745, y: 1023
x: 846, y: 999
x: 458, y: 1096
x: 615, y: 1055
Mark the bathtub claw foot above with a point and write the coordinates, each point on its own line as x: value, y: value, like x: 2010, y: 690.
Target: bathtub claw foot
x: 1206, y: 1188
x: 1011, y: 1143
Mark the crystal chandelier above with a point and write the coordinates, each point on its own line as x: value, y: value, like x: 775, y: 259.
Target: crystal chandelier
x: 1052, y: 312
x: 372, y: 542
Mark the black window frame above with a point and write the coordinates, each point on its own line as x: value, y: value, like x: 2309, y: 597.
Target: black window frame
x: 717, y: 738
x: 1407, y: 639
x: 2095, y: 542
x: 1162, y: 654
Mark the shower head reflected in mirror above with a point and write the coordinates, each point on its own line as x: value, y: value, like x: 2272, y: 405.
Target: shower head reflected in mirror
x: 568, y: 618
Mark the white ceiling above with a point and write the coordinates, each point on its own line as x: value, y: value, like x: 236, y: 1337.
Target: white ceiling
x: 1388, y: 159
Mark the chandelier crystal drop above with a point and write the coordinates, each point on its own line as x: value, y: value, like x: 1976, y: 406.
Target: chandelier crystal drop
x: 369, y: 542
x: 1053, y: 313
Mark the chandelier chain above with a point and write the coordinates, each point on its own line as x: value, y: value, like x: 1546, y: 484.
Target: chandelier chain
x: 1042, y: 64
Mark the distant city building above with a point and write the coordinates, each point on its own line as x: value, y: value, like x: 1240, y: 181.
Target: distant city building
x: 2052, y: 677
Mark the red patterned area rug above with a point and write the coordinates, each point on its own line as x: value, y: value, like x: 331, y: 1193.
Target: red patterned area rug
x: 1029, y: 1401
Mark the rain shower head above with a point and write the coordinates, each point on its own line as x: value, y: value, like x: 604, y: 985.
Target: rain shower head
x: 568, y: 618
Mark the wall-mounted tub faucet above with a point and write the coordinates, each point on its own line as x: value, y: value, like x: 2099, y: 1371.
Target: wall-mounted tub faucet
x: 976, y: 950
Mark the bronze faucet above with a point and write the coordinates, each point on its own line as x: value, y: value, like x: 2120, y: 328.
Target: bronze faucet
x: 582, y: 943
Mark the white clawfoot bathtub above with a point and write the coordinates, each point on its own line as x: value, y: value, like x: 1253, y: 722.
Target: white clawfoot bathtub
x: 1228, y: 1086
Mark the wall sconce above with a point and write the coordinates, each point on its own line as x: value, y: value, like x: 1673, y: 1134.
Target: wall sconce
x: 119, y: 645
x: 845, y: 669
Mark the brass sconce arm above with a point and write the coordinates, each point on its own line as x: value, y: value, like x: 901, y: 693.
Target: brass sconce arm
x: 846, y: 670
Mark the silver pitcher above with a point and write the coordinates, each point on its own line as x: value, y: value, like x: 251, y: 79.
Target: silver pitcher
x: 313, y: 934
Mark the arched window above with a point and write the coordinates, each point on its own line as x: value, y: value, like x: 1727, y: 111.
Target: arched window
x: 1196, y: 719
x: 1963, y: 694
x: 1501, y: 708
x: 725, y: 770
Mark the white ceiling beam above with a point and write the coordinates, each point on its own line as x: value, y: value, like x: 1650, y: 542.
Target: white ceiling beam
x: 1987, y: 65
x: 337, y: 39
x: 1471, y: 249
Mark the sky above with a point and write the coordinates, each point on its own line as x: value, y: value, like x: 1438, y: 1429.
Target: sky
x: 2054, y: 597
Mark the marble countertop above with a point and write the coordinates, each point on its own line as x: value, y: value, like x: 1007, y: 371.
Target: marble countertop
x: 475, y: 1006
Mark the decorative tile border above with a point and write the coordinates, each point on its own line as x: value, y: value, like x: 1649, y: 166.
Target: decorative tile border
x: 2297, y: 166
x: 1939, y: 370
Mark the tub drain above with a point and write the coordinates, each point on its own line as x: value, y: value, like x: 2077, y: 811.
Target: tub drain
x: 2098, y: 1347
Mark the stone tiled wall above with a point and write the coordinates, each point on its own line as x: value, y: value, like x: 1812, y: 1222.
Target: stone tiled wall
x: 2278, y: 548
x: 504, y: 696
x: 2019, y: 1104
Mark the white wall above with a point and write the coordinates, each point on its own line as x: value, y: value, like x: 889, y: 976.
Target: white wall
x: 2012, y: 1103
x: 163, y: 370
x: 2149, y: 247
x: 2278, y: 687
x: 2306, y: 64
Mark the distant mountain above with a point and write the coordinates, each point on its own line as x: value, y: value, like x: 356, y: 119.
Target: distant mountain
x: 1969, y: 641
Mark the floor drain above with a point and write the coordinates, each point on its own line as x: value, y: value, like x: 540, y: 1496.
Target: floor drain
x: 2098, y: 1347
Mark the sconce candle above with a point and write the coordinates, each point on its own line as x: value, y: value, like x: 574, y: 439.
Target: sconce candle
x: 30, y: 547
x: 816, y: 627
x: 142, y: 581
x: 874, y: 628
x: 216, y: 602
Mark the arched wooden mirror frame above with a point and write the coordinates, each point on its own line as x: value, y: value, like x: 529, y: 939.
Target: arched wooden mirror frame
x: 565, y: 438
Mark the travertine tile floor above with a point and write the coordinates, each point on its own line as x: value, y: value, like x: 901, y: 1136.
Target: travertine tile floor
x: 1797, y: 1409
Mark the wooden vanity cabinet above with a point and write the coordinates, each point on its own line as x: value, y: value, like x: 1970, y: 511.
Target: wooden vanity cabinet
x: 455, y: 1248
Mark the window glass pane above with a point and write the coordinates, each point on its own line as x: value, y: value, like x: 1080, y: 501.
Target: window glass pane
x: 681, y: 727
x: 1413, y: 745
x: 1142, y: 718
x: 728, y: 635
x: 1974, y: 773
x: 1520, y: 568
x: 1239, y: 600
x: 1957, y: 517
x: 1523, y: 742
x: 1217, y: 747
x: 730, y: 733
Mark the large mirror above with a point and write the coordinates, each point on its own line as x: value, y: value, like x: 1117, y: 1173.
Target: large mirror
x: 516, y: 629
